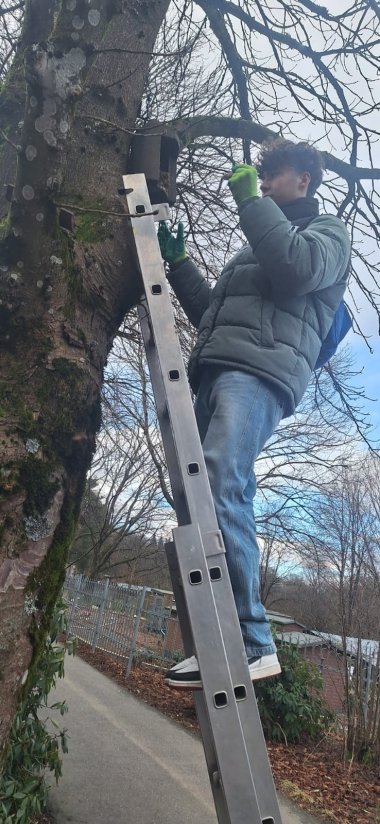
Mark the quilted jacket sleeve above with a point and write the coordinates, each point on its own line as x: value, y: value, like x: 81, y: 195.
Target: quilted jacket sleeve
x: 192, y: 290
x: 295, y: 263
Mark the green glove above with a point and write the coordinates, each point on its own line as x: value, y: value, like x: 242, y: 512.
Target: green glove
x: 243, y: 182
x: 173, y: 249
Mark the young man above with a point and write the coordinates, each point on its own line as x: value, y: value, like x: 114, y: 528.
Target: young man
x: 260, y: 331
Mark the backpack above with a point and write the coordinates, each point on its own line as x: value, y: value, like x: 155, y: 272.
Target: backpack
x: 341, y: 324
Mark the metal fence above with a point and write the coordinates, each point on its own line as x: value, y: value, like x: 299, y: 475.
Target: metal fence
x: 140, y: 624
x: 130, y: 622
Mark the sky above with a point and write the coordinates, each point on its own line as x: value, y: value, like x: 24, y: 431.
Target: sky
x: 365, y: 360
x: 366, y: 355
x: 368, y: 362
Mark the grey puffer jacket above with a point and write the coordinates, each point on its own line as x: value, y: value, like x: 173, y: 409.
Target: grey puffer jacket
x: 275, y: 301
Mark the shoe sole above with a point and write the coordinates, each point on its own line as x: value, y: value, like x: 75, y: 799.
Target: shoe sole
x: 183, y: 685
x: 265, y: 672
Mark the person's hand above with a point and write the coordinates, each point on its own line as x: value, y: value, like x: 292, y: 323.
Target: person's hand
x: 243, y: 182
x: 173, y: 249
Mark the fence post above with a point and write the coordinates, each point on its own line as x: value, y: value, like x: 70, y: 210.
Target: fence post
x: 99, y: 619
x: 369, y: 673
x: 165, y: 623
x: 74, y: 604
x: 139, y: 610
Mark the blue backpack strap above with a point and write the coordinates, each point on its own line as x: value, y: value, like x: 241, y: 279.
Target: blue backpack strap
x: 341, y: 324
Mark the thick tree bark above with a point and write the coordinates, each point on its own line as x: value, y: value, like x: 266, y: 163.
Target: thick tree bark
x: 63, y: 292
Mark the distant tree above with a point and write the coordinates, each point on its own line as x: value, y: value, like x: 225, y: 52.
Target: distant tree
x: 346, y: 530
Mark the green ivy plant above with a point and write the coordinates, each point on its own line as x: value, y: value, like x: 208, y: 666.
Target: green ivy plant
x: 291, y: 705
x: 36, y: 739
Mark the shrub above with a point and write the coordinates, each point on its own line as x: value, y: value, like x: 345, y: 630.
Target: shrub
x: 35, y: 743
x: 291, y: 705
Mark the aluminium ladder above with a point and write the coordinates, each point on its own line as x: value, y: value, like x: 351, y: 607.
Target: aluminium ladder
x: 234, y: 745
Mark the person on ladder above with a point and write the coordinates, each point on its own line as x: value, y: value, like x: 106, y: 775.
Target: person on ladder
x: 260, y: 333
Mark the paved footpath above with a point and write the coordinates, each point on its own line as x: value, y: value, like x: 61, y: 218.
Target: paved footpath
x: 128, y: 763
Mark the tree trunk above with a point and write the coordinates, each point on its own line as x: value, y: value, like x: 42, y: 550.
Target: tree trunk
x: 63, y: 291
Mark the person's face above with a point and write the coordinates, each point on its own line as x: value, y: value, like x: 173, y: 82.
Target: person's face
x: 285, y: 185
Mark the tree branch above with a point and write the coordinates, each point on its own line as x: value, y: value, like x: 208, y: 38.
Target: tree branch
x: 235, y: 64
x: 190, y: 129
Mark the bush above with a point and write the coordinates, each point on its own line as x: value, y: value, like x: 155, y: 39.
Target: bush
x: 291, y: 705
x: 35, y: 743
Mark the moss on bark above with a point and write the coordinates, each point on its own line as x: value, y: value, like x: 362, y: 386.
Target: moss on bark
x: 45, y: 584
x: 35, y: 479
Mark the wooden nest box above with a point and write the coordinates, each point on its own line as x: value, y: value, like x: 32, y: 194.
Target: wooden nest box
x: 155, y: 155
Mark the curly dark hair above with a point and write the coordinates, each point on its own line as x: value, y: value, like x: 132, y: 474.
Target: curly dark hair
x: 276, y: 154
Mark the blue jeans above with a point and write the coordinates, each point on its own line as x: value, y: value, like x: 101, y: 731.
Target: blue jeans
x: 236, y: 414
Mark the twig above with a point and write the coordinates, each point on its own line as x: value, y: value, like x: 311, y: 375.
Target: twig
x: 150, y: 53
x: 103, y: 211
x: 106, y: 123
x: 14, y: 146
x: 120, y: 128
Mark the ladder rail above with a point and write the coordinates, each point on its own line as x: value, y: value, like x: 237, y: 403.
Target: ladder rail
x: 223, y: 604
x: 176, y: 476
x: 207, y: 612
x: 178, y: 492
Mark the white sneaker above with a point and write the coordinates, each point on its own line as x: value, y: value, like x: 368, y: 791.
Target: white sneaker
x: 264, y: 667
x: 186, y: 675
x: 185, y: 663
